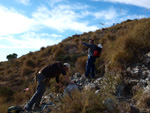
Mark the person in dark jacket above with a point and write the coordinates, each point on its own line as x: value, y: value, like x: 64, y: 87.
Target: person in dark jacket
x: 48, y: 72
x: 90, y: 66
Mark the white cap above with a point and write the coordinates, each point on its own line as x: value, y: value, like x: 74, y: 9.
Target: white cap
x: 68, y: 66
x: 99, y: 45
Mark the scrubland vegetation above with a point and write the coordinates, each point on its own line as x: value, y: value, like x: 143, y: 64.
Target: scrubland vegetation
x: 123, y: 45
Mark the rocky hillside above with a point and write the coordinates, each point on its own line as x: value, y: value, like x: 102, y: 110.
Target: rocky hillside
x: 122, y: 69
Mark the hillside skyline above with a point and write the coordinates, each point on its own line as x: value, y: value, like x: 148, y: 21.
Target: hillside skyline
x: 29, y: 25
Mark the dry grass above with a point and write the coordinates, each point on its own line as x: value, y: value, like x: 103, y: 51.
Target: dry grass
x: 29, y: 63
x: 59, y: 52
x: 6, y: 93
x: 5, y: 100
x: 123, y: 44
x: 81, y: 64
x: 4, y: 106
x: 142, y: 99
x: 69, y: 45
x: 86, y: 102
x: 128, y: 46
x: 89, y: 102
x: 23, y: 96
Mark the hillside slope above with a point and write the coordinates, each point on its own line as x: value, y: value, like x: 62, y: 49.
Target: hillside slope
x: 123, y: 45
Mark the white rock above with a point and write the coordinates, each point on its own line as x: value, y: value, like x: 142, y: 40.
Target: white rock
x: 70, y: 88
x: 97, y: 92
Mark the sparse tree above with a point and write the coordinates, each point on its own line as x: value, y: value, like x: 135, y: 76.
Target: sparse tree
x: 11, y: 56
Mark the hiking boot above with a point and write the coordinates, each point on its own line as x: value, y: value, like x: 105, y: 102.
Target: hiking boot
x: 27, y: 109
x: 86, y: 77
x: 93, y: 77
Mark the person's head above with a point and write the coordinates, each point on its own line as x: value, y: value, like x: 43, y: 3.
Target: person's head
x: 67, y: 67
x: 91, y: 41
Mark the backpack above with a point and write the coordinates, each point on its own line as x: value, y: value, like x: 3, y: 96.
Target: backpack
x: 14, y: 109
x: 97, y: 52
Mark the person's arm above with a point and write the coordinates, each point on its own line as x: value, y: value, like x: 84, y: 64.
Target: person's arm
x: 86, y: 44
x: 66, y: 79
x: 59, y: 83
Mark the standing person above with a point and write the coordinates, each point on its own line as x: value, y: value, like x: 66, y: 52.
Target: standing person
x: 48, y: 72
x: 90, y: 66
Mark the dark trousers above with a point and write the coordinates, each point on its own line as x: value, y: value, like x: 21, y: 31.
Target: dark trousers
x: 41, y: 88
x: 90, y: 67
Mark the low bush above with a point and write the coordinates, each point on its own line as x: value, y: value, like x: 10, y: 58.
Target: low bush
x: 81, y: 102
x: 123, y: 58
x: 6, y: 93
x: 63, y: 58
x: 29, y: 63
x: 80, y: 64
x: 42, y: 48
x: 46, y: 52
x: 69, y: 45
x: 26, y: 71
x: 59, y: 52
x: 22, y: 96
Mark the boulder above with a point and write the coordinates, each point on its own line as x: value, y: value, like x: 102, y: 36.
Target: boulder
x: 70, y: 88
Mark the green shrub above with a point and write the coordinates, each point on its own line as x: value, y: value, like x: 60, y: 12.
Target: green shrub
x: 63, y: 58
x: 74, y: 57
x: 11, y: 56
x: 42, y: 48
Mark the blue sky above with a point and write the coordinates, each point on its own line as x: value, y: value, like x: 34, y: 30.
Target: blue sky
x: 28, y: 25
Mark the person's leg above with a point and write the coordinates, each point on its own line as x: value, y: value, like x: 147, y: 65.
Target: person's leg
x: 88, y: 67
x: 92, y: 70
x: 38, y: 94
x: 42, y: 89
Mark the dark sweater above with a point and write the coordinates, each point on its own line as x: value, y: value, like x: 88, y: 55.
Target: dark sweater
x: 53, y: 70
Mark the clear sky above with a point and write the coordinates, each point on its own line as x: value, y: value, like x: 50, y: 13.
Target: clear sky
x: 28, y: 25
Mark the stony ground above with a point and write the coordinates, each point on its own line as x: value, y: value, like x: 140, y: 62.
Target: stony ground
x: 136, y: 76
